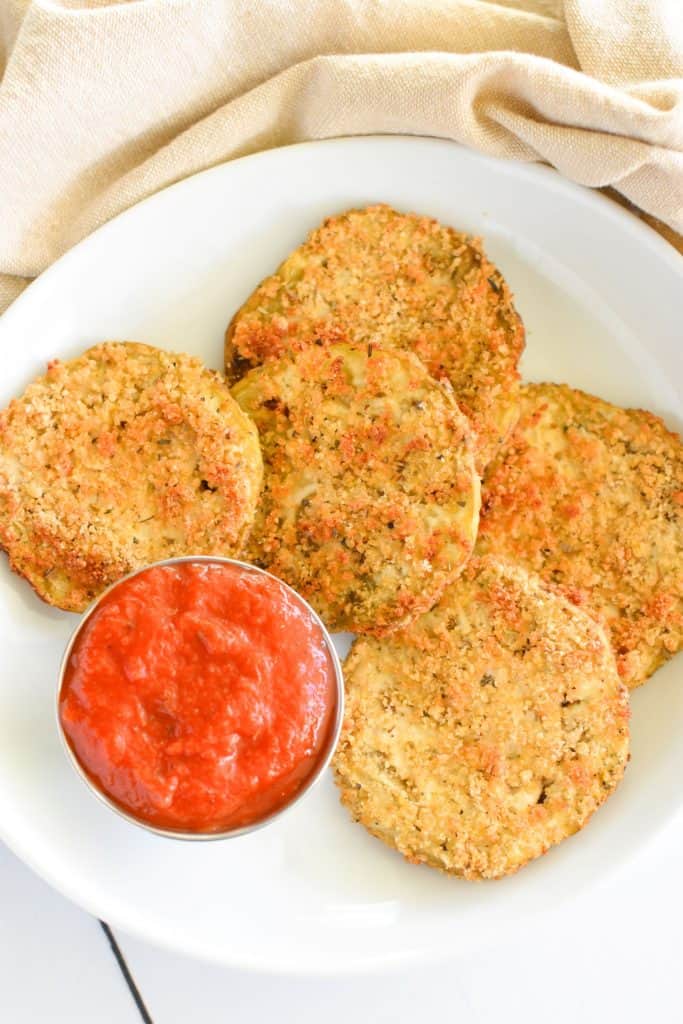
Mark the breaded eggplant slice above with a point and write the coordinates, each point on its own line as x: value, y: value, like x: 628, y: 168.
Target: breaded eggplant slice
x: 590, y: 496
x: 376, y: 275
x: 370, y: 498
x: 487, y: 731
x: 121, y: 457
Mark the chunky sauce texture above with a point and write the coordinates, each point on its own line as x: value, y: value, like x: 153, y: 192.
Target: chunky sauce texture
x: 199, y: 697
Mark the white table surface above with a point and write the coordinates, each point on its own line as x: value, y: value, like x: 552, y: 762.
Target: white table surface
x: 615, y: 953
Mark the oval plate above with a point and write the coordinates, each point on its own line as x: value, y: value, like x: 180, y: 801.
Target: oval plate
x: 601, y: 297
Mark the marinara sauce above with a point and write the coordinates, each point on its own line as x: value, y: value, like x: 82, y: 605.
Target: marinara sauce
x: 199, y: 696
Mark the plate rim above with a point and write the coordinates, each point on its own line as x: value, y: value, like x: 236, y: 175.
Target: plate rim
x: 553, y: 178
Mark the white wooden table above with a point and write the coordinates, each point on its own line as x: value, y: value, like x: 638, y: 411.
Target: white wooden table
x: 614, y: 954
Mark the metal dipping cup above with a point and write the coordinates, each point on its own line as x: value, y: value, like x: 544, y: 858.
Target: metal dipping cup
x: 325, y: 756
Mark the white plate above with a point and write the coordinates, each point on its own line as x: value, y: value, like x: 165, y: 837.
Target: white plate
x: 601, y: 297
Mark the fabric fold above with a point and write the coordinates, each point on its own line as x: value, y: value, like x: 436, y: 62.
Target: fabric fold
x: 103, y: 104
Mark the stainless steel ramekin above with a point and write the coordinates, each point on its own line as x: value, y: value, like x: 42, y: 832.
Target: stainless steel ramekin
x: 325, y: 755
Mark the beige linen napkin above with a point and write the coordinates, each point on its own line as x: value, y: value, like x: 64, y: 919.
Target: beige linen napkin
x: 103, y: 103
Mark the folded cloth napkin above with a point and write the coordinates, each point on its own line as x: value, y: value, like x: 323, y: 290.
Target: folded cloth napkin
x: 103, y: 103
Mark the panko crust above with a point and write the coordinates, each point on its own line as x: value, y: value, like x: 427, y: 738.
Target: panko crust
x: 121, y: 457
x: 370, y: 499
x: 376, y: 275
x: 590, y: 496
x: 487, y: 731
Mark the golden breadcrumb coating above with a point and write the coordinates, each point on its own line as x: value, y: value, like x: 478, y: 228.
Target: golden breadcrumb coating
x: 488, y: 730
x: 397, y: 279
x: 370, y: 498
x: 591, y: 497
x: 121, y: 457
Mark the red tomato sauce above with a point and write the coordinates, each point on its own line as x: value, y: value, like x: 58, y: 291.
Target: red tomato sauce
x: 199, y: 697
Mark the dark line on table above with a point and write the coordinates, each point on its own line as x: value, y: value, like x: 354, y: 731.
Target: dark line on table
x: 125, y: 971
